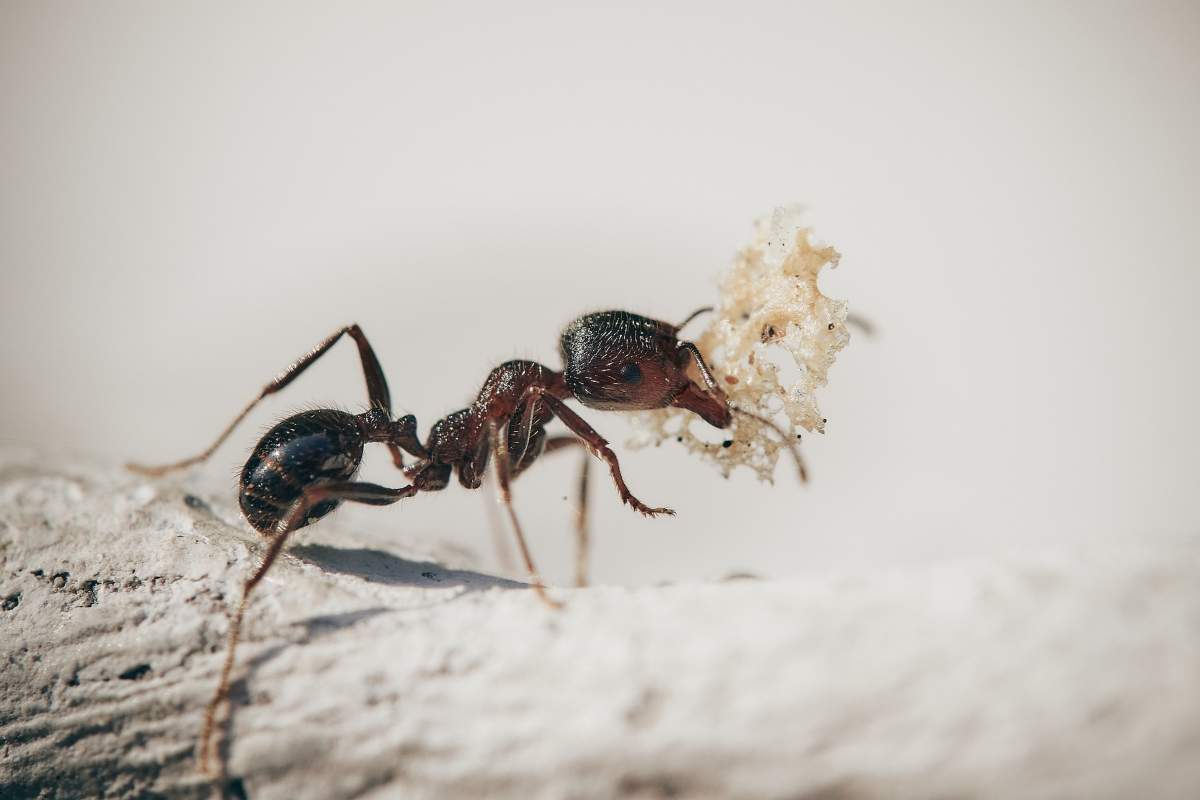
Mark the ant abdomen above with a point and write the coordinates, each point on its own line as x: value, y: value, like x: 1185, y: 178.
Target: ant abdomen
x: 302, y: 451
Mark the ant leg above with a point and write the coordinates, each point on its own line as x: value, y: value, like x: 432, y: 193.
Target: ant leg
x: 599, y: 447
x: 581, y: 503
x: 527, y: 431
x: 521, y: 433
x: 368, y: 493
x: 377, y: 393
x: 500, y: 453
x: 499, y: 538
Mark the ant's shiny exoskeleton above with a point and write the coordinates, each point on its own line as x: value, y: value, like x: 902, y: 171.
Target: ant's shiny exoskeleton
x: 304, y: 467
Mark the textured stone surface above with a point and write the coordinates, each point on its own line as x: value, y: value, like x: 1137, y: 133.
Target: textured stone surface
x: 381, y: 674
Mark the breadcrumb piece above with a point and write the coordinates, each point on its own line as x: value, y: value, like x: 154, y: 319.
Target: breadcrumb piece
x: 769, y: 301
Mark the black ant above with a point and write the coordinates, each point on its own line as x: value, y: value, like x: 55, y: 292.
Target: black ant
x: 304, y: 467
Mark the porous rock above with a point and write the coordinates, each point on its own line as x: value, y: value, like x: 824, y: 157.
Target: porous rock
x: 375, y: 674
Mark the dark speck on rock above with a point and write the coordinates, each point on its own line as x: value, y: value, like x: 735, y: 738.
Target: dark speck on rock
x: 135, y: 673
x: 235, y: 789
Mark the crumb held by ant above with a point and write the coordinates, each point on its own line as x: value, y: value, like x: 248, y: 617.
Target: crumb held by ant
x: 768, y: 299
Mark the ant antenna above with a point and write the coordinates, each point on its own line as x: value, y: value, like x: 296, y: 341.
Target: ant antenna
x: 705, y: 372
x: 862, y: 323
x: 692, y: 316
x: 784, y: 439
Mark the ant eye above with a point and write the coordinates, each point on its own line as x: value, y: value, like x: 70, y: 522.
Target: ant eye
x: 631, y: 373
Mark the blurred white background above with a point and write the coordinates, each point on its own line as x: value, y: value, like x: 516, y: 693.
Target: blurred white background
x: 193, y: 194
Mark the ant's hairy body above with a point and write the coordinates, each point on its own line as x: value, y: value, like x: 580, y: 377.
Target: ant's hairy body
x: 304, y: 467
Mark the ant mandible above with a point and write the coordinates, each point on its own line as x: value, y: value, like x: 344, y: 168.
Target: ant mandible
x: 304, y: 467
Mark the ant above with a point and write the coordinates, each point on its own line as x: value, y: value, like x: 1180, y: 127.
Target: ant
x: 304, y: 467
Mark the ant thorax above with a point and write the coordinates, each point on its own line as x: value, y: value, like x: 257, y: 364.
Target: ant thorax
x: 769, y: 306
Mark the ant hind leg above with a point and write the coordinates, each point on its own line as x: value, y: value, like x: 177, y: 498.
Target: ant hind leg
x: 377, y: 393
x: 368, y: 493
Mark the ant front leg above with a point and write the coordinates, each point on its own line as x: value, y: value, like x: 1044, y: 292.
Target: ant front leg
x: 368, y: 493
x: 598, y: 445
x: 377, y: 394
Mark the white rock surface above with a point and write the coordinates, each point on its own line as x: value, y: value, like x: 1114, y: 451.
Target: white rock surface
x: 373, y: 674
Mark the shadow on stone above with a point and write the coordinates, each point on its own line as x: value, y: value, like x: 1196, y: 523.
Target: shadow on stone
x: 379, y: 566
x: 327, y: 623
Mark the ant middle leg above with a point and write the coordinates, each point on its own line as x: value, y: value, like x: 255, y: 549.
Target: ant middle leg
x: 527, y: 436
x: 499, y: 450
x: 357, y: 492
x: 377, y: 394
x: 582, y: 539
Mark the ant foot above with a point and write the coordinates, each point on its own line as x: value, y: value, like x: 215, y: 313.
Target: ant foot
x: 540, y: 590
x: 638, y: 505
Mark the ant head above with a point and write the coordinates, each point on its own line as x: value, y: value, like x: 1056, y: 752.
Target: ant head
x: 621, y: 361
